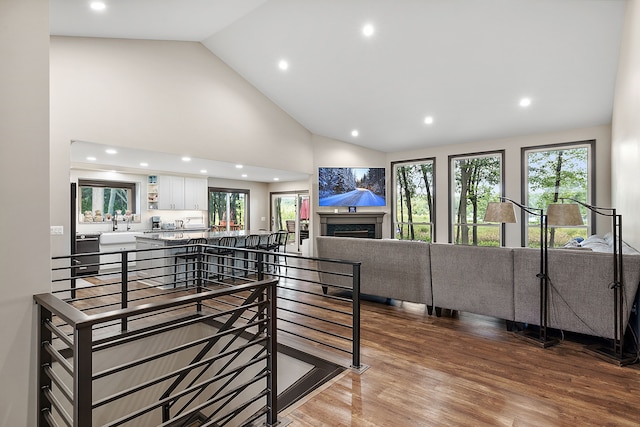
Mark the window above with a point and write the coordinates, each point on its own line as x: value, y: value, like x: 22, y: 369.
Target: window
x: 551, y: 172
x: 228, y: 209
x: 413, y: 200
x: 107, y: 197
x: 474, y: 181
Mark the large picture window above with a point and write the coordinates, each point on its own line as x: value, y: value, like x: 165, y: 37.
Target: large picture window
x: 107, y: 197
x: 413, y: 200
x: 474, y: 181
x: 551, y: 172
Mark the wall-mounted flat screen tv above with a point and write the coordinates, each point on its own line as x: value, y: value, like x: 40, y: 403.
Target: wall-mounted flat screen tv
x: 351, y: 186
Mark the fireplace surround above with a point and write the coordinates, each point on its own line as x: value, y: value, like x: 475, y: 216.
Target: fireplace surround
x: 354, y: 224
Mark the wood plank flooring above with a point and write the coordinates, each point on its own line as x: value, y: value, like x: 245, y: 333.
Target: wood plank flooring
x: 469, y: 371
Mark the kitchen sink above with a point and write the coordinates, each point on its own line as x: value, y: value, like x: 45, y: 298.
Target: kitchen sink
x: 118, y: 237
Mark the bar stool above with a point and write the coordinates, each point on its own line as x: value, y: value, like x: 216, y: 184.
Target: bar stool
x: 190, y: 257
x: 251, y: 242
x: 282, y: 238
x: 223, y: 251
x: 269, y: 245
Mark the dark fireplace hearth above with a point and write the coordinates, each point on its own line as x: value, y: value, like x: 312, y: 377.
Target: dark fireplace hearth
x: 362, y: 234
x: 352, y: 230
x: 364, y: 225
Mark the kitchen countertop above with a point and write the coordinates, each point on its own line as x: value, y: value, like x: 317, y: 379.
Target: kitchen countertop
x: 180, y: 237
x: 177, y: 230
x: 145, y: 231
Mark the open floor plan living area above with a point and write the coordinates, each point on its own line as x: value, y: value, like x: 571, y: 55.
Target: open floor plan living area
x: 320, y: 213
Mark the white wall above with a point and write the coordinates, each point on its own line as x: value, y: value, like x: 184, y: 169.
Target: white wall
x: 625, y: 142
x: 24, y: 177
x: 512, y: 148
x: 174, y: 97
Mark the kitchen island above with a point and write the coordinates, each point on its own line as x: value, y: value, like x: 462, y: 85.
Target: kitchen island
x: 156, y: 256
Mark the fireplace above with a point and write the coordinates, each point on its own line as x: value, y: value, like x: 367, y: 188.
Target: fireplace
x: 360, y: 224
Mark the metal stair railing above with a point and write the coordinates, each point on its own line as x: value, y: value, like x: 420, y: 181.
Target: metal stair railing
x: 68, y: 350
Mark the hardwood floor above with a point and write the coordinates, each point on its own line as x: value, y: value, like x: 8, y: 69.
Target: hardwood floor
x: 466, y: 370
x: 469, y: 371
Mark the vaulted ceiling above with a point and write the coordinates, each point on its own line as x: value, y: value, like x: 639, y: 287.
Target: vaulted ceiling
x: 466, y: 64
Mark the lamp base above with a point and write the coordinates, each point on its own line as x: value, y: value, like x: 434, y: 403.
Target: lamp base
x: 534, y: 337
x: 609, y: 355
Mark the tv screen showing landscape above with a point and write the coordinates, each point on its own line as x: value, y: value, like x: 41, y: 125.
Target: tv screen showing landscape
x: 351, y: 187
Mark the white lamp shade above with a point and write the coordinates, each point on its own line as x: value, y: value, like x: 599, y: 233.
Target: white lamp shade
x: 564, y: 214
x: 500, y: 212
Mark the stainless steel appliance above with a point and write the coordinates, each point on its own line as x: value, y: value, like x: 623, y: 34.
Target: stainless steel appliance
x: 87, y: 264
x: 155, y: 222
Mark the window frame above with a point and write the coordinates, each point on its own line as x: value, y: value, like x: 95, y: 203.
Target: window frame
x: 451, y: 183
x: 394, y: 197
x: 247, y: 203
x: 99, y: 183
x: 590, y: 144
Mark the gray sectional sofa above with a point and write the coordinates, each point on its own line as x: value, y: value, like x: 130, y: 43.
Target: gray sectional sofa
x: 498, y: 282
x: 397, y: 269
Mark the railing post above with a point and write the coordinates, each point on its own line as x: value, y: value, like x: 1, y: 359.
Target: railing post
x: 166, y: 412
x: 44, y: 360
x: 260, y: 265
x: 356, y: 316
x: 199, y: 268
x: 124, y: 278
x: 272, y: 360
x: 83, y: 377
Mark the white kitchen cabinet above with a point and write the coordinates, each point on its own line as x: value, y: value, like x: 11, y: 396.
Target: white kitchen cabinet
x: 195, y: 194
x: 170, y: 192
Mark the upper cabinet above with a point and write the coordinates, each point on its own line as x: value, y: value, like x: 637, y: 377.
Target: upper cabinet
x: 176, y: 192
x: 195, y: 194
x: 170, y: 192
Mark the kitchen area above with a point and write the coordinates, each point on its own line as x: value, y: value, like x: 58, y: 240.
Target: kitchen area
x: 123, y: 195
x: 113, y: 209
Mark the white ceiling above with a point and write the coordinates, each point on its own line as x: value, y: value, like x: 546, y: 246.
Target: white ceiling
x: 130, y: 159
x: 466, y: 63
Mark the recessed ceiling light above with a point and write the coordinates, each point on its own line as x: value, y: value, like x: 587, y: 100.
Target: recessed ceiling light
x: 144, y: 164
x: 355, y: 133
x: 186, y: 159
x: 525, y: 102
x: 97, y: 5
x: 91, y: 159
x: 276, y: 179
x: 283, y: 65
x: 203, y: 171
x: 368, y: 30
x: 239, y: 166
x: 110, y: 151
x: 428, y: 120
x: 244, y: 175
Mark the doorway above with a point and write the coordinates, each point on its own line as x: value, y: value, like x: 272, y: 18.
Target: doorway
x: 290, y: 212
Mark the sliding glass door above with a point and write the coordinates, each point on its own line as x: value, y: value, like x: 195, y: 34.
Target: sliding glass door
x: 290, y: 212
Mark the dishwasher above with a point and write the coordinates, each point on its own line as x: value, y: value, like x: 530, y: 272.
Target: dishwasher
x: 87, y: 264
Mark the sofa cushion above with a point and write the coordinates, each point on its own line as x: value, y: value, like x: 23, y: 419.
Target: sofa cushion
x: 473, y: 278
x: 398, y: 269
x: 580, y: 297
